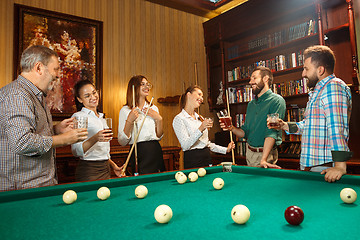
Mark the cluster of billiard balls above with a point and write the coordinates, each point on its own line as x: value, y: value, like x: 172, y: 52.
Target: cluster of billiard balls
x: 240, y: 214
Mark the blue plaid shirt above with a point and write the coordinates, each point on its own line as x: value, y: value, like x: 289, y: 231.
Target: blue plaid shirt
x: 325, y: 127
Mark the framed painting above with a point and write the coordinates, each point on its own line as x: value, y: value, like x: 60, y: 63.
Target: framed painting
x: 78, y: 42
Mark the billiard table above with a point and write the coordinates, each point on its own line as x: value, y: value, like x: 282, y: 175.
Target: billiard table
x: 199, y: 211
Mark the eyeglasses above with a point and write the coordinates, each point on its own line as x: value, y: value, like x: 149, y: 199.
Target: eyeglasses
x: 93, y: 93
x: 149, y: 85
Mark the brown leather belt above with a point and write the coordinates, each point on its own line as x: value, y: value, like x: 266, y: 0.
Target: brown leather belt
x: 255, y: 149
x: 329, y: 164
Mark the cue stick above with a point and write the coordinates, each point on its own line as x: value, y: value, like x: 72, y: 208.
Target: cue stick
x: 136, y: 137
x: 196, y: 81
x: 231, y: 138
x: 135, y: 132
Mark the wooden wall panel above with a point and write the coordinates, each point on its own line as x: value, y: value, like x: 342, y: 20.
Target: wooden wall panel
x: 140, y: 37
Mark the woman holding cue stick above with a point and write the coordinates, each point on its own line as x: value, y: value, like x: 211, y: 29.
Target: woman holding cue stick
x: 149, y: 152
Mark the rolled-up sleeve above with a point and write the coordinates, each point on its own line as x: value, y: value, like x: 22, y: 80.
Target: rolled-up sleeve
x: 122, y: 138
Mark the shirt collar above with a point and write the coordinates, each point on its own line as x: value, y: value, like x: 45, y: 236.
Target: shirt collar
x: 29, y: 85
x: 319, y: 85
x: 91, y: 112
x: 187, y: 115
x: 264, y: 96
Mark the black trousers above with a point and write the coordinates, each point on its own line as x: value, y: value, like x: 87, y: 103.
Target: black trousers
x: 150, y: 158
x: 197, y: 158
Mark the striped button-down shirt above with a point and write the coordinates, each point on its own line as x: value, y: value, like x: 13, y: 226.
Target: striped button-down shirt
x: 26, y: 157
x: 325, y: 127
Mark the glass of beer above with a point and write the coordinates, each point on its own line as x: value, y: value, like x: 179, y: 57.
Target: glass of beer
x: 273, y: 119
x: 108, y: 123
x: 224, y: 118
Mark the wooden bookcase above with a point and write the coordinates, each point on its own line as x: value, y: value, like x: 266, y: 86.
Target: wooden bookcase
x: 273, y: 31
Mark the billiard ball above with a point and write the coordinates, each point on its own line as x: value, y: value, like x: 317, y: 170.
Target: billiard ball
x: 218, y: 183
x: 69, y: 197
x: 177, y: 174
x: 201, y: 172
x: 103, y: 193
x: 163, y: 214
x: 141, y: 191
x: 348, y: 195
x: 294, y: 215
x: 193, y: 177
x: 182, y: 179
x: 240, y: 214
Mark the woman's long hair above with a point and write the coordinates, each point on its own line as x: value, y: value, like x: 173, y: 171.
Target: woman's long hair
x: 136, y: 81
x: 80, y: 84
x: 183, y: 99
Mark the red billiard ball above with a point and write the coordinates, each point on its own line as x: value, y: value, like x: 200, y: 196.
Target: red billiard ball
x: 294, y: 215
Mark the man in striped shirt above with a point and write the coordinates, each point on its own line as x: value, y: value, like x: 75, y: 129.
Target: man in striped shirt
x: 325, y: 128
x: 27, y: 136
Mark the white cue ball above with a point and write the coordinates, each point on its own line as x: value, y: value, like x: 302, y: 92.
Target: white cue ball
x: 182, y: 179
x: 218, y: 183
x: 193, y: 177
x: 177, y: 174
x: 163, y: 214
x: 69, y: 197
x: 103, y: 193
x: 348, y: 195
x: 240, y: 214
x: 201, y: 172
x: 141, y: 191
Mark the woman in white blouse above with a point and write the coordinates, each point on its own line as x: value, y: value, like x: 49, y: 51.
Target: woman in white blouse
x: 94, y: 152
x: 192, y: 131
x: 149, y: 152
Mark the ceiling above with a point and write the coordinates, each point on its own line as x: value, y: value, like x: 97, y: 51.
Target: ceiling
x: 203, y: 8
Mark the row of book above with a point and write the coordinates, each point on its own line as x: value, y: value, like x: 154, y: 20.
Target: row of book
x: 285, y: 35
x: 290, y: 150
x: 240, y: 94
x: 239, y: 119
x: 290, y: 88
x: 293, y: 114
x: 244, y: 93
x: 240, y: 148
x: 278, y: 63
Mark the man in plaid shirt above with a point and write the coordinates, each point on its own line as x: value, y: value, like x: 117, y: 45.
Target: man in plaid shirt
x: 27, y: 136
x: 325, y: 127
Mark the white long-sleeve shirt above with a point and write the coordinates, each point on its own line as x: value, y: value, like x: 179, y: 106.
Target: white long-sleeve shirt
x: 100, y: 150
x: 148, y: 131
x: 190, y: 137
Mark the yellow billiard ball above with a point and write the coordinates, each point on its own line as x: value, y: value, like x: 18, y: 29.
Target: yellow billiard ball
x: 69, y: 197
x: 240, y: 214
x: 141, y: 191
x: 348, y: 195
x: 163, y: 214
x: 103, y: 193
x: 218, y: 183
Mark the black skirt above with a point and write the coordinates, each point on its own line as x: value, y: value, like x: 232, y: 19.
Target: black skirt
x: 197, y: 158
x: 150, y: 158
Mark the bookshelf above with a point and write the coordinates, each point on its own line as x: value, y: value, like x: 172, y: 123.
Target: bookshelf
x: 274, y: 33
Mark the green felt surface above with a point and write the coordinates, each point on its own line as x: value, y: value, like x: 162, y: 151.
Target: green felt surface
x: 199, y: 211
